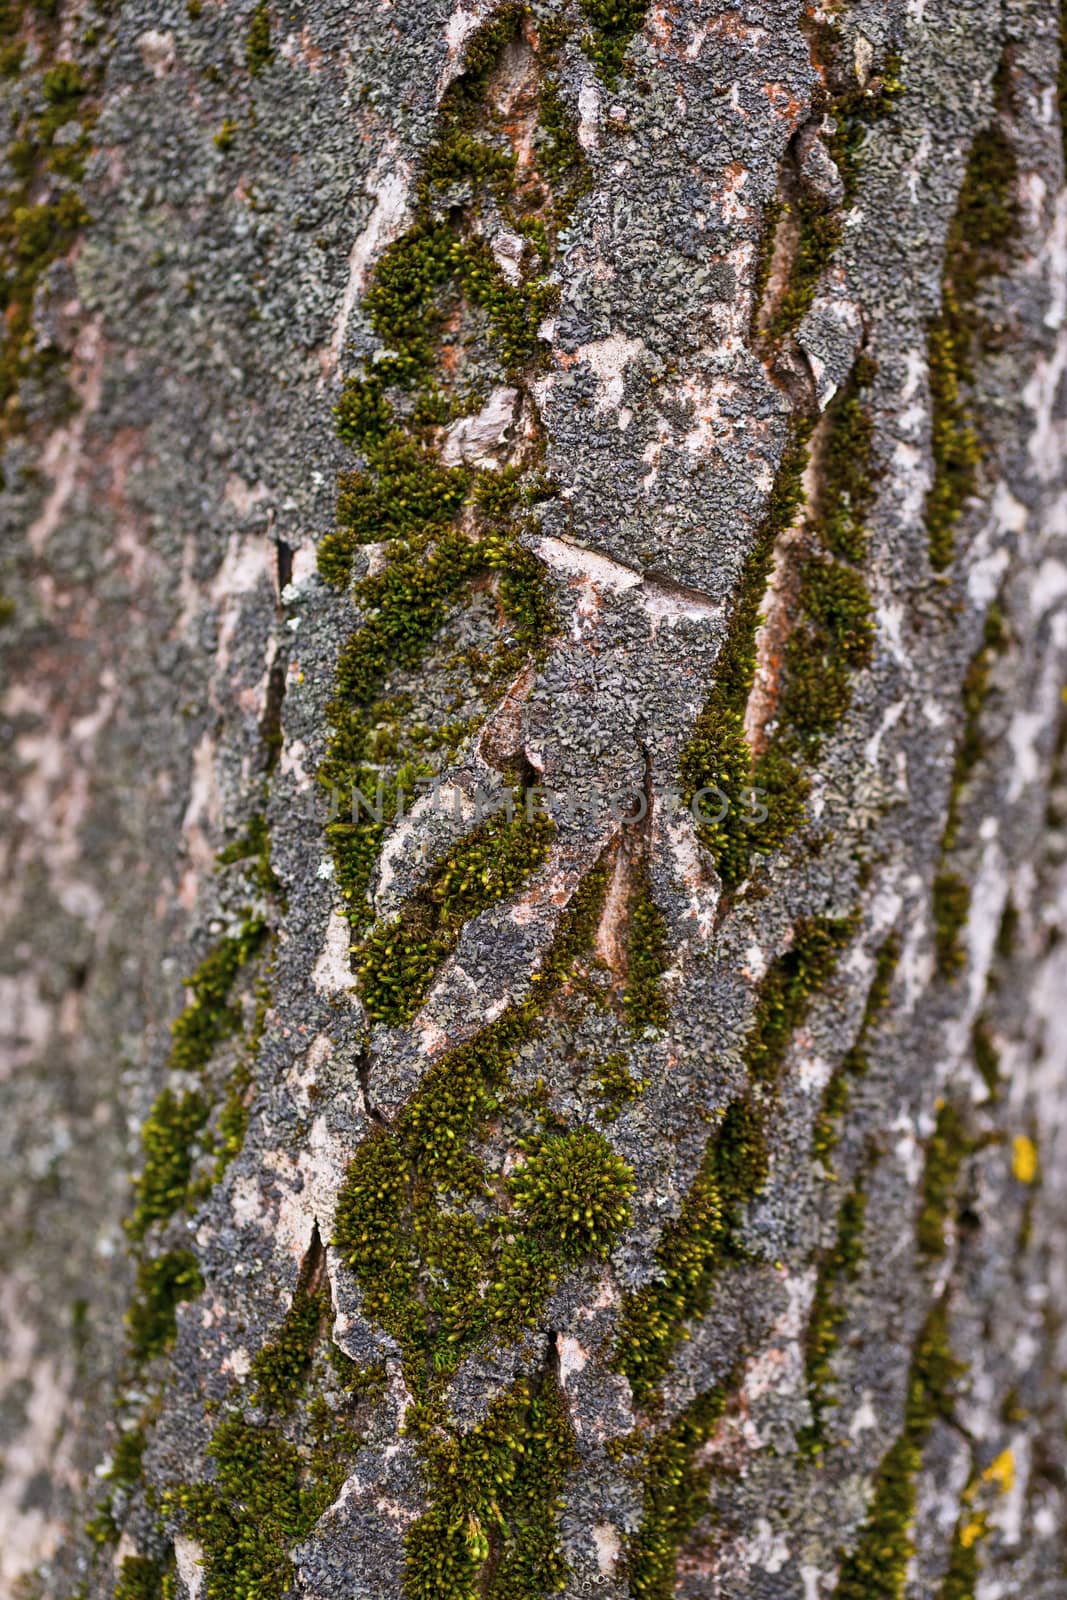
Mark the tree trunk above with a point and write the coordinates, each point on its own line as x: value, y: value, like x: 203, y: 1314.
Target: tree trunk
x: 534, y: 804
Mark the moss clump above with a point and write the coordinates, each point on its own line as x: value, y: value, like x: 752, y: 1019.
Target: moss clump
x: 398, y: 959
x: 717, y: 756
x: 210, y: 1017
x: 266, y: 1495
x: 162, y: 1285
x: 173, y: 1126
x: 961, y: 1576
x: 574, y: 1191
x: 733, y: 1169
x: 647, y: 958
x: 253, y: 845
x: 951, y: 905
x: 420, y: 1207
x: 271, y: 1481
x: 42, y: 214
x: 840, y: 1267
x: 951, y: 895
x: 491, y: 1530
x: 947, y: 1149
x: 986, y: 1056
x: 168, y: 1141
x: 259, y: 52
x: 232, y: 1121
x: 279, y: 1369
x: 787, y: 989
x: 613, y: 24
x: 142, y: 1578
x: 615, y: 1086
x: 675, y: 1488
x: 855, y: 1062
x: 448, y: 529
x: 877, y: 1568
x: 832, y: 638
x: 975, y: 693
x: 979, y: 243
x: 820, y: 230
x: 764, y: 257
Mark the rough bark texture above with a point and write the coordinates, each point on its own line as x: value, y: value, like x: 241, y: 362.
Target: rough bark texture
x: 607, y: 1197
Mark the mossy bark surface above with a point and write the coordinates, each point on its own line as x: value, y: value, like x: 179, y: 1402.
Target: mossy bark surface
x: 533, y: 647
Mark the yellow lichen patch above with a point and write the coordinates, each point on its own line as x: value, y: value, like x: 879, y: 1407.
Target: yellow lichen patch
x: 973, y: 1530
x: 1023, y: 1158
x: 1002, y: 1470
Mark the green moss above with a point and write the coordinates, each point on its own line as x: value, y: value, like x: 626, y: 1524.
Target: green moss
x: 491, y: 1532
x: 951, y: 905
x: 615, y: 1086
x: 1007, y: 932
x: 647, y: 958
x: 419, y: 1208
x: 279, y: 1369
x: 951, y: 895
x: 172, y: 1129
x: 986, y: 1056
x: 974, y: 694
x: 406, y: 606
x: 226, y: 137
x: 675, y: 1488
x: 399, y: 958
x: 831, y: 639
x: 253, y: 845
x: 839, y: 1268
x: 168, y: 1140
x: 573, y: 1191
x: 266, y: 1496
x: 142, y: 1578
x: 787, y: 989
x: 764, y: 259
x: 847, y: 477
x: 448, y: 529
x: 717, y: 754
x: 211, y: 1017
x: 127, y: 1457
x: 270, y: 1483
x: 42, y: 214
x: 977, y: 249
x: 232, y: 1121
x: 613, y: 24
x: 961, y: 1576
x: 560, y: 156
x: 876, y: 1569
x: 259, y: 52
x: 947, y: 1149
x: 820, y: 231
x: 855, y: 1062
x: 733, y: 1170
x: 162, y: 1284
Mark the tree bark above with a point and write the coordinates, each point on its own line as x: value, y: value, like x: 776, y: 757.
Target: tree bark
x: 533, y: 653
